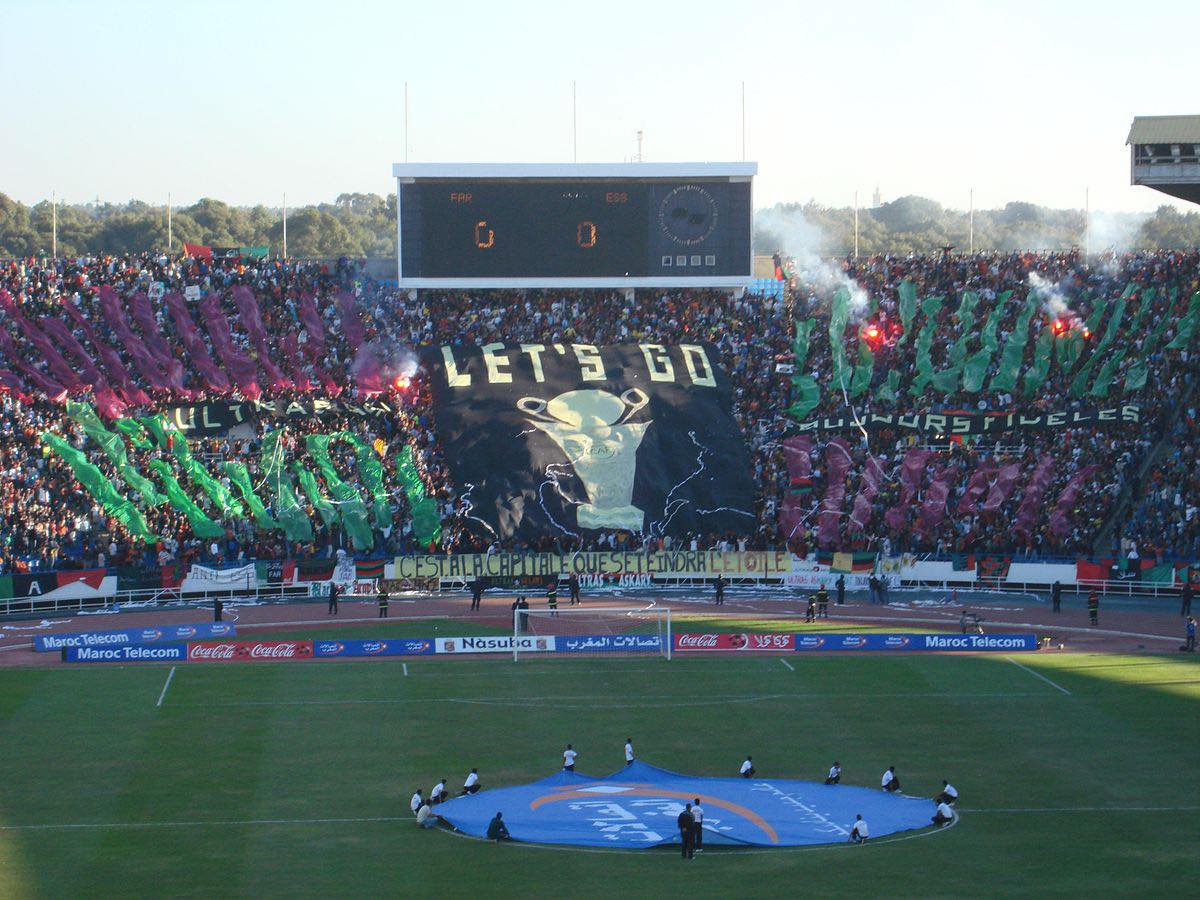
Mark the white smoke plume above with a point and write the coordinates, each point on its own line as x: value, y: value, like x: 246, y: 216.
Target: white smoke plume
x: 1110, y: 232
x: 1054, y: 301
x: 804, y: 242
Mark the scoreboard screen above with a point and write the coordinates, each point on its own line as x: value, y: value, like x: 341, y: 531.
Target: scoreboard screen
x: 603, y: 231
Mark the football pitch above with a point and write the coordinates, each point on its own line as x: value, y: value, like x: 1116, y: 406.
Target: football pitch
x: 1077, y: 772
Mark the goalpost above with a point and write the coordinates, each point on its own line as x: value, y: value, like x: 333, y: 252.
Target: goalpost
x: 592, y: 630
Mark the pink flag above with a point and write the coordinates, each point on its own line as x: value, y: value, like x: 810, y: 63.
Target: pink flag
x: 1060, y: 525
x: 352, y: 326
x: 251, y: 321
x: 912, y: 473
x: 1031, y: 502
x: 1002, y: 487
x: 829, y: 521
x: 977, y: 485
x: 213, y: 378
x: 315, y: 346
x: 860, y: 515
x: 240, y: 367
x: 796, y: 454
x: 117, y: 373
x: 143, y: 360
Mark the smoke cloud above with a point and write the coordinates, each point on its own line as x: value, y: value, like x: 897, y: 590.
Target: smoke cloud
x: 804, y: 242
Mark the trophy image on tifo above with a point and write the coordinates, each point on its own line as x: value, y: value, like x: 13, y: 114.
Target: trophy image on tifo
x: 587, y: 426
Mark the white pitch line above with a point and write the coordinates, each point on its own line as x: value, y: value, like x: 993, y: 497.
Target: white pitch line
x: 597, y: 702
x: 786, y: 663
x: 1052, y: 684
x: 163, y: 695
x: 203, y: 824
x: 405, y: 669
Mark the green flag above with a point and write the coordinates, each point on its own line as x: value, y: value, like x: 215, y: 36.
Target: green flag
x: 202, y: 525
x: 290, y: 514
x: 427, y: 524
x: 908, y: 306
x: 101, y: 489
x: 349, y: 503
x: 241, y: 478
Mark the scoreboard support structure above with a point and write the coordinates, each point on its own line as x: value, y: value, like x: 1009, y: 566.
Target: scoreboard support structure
x: 624, y: 226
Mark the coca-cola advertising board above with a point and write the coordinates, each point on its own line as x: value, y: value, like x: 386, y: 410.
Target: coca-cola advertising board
x: 758, y: 643
x: 249, y: 651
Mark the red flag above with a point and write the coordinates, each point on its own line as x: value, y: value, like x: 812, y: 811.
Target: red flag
x: 93, y: 578
x: 197, y: 250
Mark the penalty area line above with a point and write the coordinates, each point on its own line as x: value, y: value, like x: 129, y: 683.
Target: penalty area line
x: 163, y: 695
x: 786, y: 663
x: 1057, y: 687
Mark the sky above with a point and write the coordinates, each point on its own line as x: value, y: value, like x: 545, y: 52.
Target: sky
x: 249, y: 101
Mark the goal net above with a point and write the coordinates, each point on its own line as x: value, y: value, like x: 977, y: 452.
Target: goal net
x: 595, y: 630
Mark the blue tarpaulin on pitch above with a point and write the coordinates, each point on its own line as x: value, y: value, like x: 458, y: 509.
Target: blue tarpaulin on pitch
x: 638, y: 806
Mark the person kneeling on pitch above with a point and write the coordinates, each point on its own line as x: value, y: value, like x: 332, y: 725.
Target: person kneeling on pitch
x: 944, y: 815
x: 497, y: 830
x: 747, y: 769
x: 471, y: 785
x: 438, y: 794
x: 858, y: 831
x: 425, y: 816
x: 835, y: 773
x: 947, y: 795
x: 890, y: 781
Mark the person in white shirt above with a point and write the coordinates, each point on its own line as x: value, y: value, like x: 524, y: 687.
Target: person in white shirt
x: 944, y: 815
x: 698, y: 828
x: 747, y: 770
x: 629, y: 751
x: 858, y: 831
x: 890, y: 781
x: 835, y: 773
x: 948, y: 795
x: 425, y: 817
x: 417, y: 802
x: 471, y: 785
x: 569, y: 759
x: 438, y: 794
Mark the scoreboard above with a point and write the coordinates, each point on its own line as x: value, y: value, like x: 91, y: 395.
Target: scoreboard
x: 632, y: 225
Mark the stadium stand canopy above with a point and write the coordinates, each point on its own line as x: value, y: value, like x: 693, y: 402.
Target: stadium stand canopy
x: 1165, y: 155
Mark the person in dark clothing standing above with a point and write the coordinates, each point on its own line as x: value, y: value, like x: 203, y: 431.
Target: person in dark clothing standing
x: 552, y: 594
x: 1189, y: 641
x: 720, y: 590
x: 218, y: 610
x: 573, y: 587
x: 840, y: 584
x: 873, y: 589
x: 383, y: 604
x: 1093, y: 608
x: 1185, y: 599
x: 333, y: 595
x: 476, y: 593
x: 822, y: 602
x: 687, y: 834
x: 1056, y: 597
x: 810, y: 613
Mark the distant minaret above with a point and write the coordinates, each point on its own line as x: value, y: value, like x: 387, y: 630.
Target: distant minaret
x: 876, y: 198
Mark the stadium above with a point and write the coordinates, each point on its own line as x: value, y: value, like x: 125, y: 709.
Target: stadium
x: 592, y: 538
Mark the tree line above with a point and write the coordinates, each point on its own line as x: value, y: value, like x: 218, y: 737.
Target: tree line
x: 364, y: 225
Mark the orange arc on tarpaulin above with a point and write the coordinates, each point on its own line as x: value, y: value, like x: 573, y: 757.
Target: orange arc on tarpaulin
x: 587, y: 792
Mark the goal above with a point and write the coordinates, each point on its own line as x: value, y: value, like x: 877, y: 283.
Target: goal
x: 594, y: 630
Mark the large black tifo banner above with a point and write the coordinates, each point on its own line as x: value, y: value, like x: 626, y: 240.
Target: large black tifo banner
x: 558, y: 438
x: 217, y: 416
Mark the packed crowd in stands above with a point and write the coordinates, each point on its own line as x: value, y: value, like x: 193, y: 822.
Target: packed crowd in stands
x: 312, y: 343
x: 1167, y: 518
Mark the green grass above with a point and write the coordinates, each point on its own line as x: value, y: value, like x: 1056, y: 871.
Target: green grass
x: 234, y: 743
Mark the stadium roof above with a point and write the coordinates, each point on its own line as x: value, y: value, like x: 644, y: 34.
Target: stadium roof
x: 1164, y: 130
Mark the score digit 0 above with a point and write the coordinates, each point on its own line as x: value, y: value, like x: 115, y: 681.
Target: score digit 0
x: 484, y: 236
x: 585, y: 235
